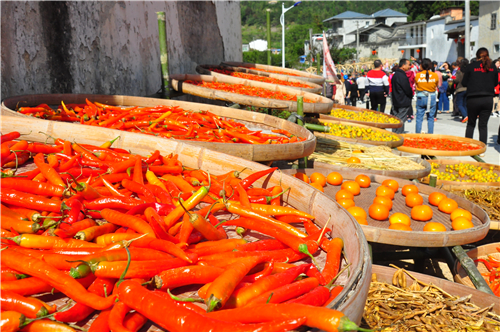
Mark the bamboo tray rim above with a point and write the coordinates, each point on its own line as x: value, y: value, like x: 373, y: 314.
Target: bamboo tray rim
x: 256, y: 152
x: 391, y: 144
x: 418, y: 238
x: 399, y: 124
x: 320, y: 104
x: 452, y: 184
x: 461, y: 276
x: 276, y: 68
x: 430, y: 152
x: 312, y: 86
x: 304, y: 198
x: 478, y: 298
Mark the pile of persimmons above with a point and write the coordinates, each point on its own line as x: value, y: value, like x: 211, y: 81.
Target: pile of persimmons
x: 381, y: 207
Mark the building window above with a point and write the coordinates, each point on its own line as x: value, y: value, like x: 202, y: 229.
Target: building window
x: 431, y: 52
x: 367, y: 23
x: 493, y: 21
x: 496, y: 48
x: 432, y: 34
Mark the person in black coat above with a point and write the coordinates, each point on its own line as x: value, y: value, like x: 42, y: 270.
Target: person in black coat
x: 480, y: 79
x: 401, y: 94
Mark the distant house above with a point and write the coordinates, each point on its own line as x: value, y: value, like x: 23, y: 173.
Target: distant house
x: 440, y: 38
x: 345, y: 25
x: 389, y: 17
x: 382, y: 39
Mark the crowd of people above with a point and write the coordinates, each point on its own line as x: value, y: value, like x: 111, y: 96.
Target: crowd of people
x: 474, y: 87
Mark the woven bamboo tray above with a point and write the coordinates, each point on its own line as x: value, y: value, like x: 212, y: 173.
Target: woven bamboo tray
x: 379, y: 232
x: 254, y: 120
x: 302, y: 196
x: 391, y: 144
x: 279, y: 71
x: 429, y: 152
x: 320, y: 105
x: 367, y: 123
x: 455, y: 185
x: 205, y: 70
x: 480, y: 252
x: 481, y: 299
x: 403, y: 174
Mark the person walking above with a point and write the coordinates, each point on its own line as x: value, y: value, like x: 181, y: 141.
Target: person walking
x: 426, y: 82
x: 480, y: 79
x: 353, y: 92
x: 347, y: 84
x: 361, y: 82
x: 411, y: 78
x: 377, y: 87
x: 402, y: 93
x: 461, y: 91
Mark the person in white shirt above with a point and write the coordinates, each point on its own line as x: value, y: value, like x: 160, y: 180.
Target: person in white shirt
x: 361, y: 82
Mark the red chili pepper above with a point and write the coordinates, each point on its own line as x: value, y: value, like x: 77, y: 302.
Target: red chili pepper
x: 333, y: 259
x: 78, y: 312
x: 10, y: 136
x: 31, y: 201
x: 182, y: 319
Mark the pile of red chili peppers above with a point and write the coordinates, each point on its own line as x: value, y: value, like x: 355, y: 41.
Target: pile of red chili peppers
x: 442, y: 144
x: 163, y: 121
x: 264, y: 79
x: 274, y: 71
x: 493, y: 276
x: 248, y: 90
x: 119, y: 233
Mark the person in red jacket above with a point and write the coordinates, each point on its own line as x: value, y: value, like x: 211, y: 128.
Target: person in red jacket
x: 377, y: 87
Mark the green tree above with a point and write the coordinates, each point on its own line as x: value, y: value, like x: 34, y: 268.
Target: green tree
x: 423, y: 10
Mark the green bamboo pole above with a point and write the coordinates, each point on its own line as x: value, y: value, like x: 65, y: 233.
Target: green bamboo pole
x: 300, y: 111
x: 471, y: 269
x: 316, y: 127
x: 268, y: 36
x: 165, y: 89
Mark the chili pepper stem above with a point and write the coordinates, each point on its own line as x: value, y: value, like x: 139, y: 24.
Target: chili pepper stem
x: 213, y: 303
x: 16, y: 239
x: 323, y: 230
x: 122, y: 277
x: 187, y: 299
x: 240, y: 231
x: 330, y: 284
x: 347, y: 325
x: 269, y: 298
x: 303, y: 249
x: 127, y: 243
x: 48, y: 136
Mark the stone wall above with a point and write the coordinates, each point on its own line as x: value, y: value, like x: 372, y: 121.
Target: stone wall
x: 110, y: 47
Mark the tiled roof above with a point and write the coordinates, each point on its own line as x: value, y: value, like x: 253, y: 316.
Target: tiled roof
x: 388, y: 13
x: 347, y: 15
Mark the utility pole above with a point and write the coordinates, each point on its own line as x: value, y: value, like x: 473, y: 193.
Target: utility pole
x: 467, y: 29
x: 311, y: 45
x: 268, y: 36
x: 357, y: 41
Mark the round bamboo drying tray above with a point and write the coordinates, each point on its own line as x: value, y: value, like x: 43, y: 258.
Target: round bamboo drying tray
x: 391, y: 144
x: 320, y: 105
x: 280, y: 71
x: 379, y: 232
x: 360, y: 110
x: 479, y: 252
x: 429, y: 152
x: 455, y: 185
x: 258, y: 121
x: 356, y: 281
x: 481, y: 299
x: 313, y: 88
x: 403, y: 174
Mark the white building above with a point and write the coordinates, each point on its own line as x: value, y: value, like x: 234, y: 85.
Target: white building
x: 259, y: 45
x: 345, y: 25
x: 489, y: 24
x: 440, y: 38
